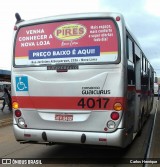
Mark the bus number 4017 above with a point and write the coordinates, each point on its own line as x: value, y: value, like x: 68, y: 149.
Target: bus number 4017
x: 99, y: 103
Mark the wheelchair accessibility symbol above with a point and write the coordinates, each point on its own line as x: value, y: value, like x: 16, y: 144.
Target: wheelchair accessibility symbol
x: 22, y: 83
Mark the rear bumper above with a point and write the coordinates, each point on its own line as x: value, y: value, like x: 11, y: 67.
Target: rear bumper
x: 115, y: 139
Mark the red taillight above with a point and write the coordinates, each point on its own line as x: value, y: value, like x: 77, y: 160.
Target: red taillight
x: 115, y: 115
x: 18, y: 113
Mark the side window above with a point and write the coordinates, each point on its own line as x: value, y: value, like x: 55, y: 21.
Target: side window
x: 145, y: 71
x: 145, y: 65
x: 151, y: 78
x: 130, y: 67
x: 137, y: 51
x: 130, y: 49
x: 141, y: 63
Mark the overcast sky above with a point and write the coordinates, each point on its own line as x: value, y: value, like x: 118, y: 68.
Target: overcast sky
x: 142, y: 16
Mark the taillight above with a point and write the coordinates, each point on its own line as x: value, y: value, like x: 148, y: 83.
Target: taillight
x: 15, y: 105
x: 117, y: 106
x: 115, y: 116
x: 111, y: 124
x: 18, y: 113
x: 21, y: 122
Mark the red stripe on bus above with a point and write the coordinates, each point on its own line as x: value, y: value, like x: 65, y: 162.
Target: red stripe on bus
x: 133, y: 88
x: 77, y: 103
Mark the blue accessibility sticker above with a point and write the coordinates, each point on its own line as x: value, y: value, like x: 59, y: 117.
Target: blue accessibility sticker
x: 22, y: 83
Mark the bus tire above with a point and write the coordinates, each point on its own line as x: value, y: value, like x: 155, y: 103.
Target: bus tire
x: 140, y: 125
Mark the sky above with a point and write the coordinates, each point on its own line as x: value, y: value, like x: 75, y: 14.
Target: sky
x: 142, y: 16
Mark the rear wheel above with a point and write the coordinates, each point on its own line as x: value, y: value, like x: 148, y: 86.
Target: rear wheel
x: 140, y: 125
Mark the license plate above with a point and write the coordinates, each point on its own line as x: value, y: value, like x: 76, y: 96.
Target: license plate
x: 63, y: 117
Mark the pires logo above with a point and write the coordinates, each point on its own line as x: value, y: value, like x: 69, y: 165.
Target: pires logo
x: 70, y: 32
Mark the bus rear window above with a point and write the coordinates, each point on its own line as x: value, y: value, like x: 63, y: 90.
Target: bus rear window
x: 78, y: 41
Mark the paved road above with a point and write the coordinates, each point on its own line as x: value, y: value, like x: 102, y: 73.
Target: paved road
x: 155, y: 149
x: 5, y: 116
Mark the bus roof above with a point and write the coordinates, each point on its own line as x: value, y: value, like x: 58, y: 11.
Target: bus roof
x: 72, y: 16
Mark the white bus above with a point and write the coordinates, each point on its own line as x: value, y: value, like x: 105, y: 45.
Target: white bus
x: 79, y: 79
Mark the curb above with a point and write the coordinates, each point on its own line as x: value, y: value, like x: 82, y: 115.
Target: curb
x: 6, y: 122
